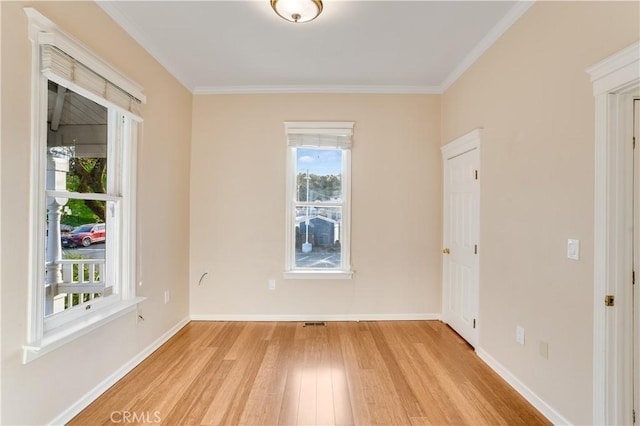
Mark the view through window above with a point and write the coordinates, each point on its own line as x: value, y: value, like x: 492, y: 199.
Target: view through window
x: 77, y: 179
x: 318, y: 208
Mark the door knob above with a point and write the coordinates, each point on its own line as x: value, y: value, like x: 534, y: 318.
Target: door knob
x: 446, y: 251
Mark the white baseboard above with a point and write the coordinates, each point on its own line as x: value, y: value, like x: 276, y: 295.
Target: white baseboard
x: 93, y: 394
x: 319, y: 317
x: 552, y: 415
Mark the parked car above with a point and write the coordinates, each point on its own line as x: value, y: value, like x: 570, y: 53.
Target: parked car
x: 85, y: 235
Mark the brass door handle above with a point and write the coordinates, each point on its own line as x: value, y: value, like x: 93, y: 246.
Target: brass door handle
x: 446, y: 251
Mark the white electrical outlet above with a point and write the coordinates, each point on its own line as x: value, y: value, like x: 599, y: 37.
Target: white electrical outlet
x: 519, y: 335
x: 167, y: 296
x: 272, y: 284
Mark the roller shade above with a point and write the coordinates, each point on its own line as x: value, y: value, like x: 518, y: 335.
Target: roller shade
x: 320, y: 134
x: 65, y: 70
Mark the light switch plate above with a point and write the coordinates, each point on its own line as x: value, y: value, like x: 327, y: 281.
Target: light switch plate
x: 573, y: 249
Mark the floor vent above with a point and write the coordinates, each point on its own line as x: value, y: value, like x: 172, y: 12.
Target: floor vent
x: 315, y: 324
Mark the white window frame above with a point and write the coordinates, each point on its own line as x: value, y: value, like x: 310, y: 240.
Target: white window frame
x: 324, y: 129
x: 47, y: 334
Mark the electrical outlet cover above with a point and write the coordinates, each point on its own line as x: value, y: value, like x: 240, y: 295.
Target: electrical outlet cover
x: 520, y: 335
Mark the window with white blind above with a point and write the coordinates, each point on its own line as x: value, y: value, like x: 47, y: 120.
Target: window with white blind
x: 84, y: 132
x: 318, y: 200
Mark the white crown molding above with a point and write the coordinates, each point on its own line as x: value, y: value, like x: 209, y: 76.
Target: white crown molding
x: 253, y: 90
x: 315, y: 317
x: 487, y: 41
x: 111, y: 8
x: 546, y: 410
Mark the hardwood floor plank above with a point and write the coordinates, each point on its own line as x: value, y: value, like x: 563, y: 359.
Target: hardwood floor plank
x: 407, y: 396
x: 434, y: 403
x: 259, y: 396
x: 325, y: 410
x: 450, y: 387
x: 382, y: 400
x: 192, y: 406
x: 230, y: 401
x: 367, y: 373
x: 308, y: 405
x: 343, y: 412
x: 291, y: 397
x: 283, y: 335
x: 348, y: 334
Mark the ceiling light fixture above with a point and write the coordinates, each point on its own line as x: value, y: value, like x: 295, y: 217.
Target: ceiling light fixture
x: 297, y: 10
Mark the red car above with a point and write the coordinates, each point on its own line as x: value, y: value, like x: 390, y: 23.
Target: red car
x: 85, y: 235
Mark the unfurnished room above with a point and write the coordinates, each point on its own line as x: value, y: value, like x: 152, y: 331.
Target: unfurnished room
x: 320, y: 212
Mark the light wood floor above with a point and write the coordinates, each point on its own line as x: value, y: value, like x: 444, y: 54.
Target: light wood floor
x: 347, y: 373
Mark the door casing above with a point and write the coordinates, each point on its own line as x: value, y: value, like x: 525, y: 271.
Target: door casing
x: 635, y: 329
x: 616, y: 81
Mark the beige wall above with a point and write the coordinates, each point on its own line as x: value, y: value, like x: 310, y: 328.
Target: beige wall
x: 224, y: 172
x: 37, y: 392
x: 238, y: 205
x: 531, y: 94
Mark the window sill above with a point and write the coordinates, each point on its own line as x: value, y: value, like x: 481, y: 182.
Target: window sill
x: 60, y: 336
x: 318, y: 275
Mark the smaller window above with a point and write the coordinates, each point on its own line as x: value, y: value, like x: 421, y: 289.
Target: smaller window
x: 318, y: 199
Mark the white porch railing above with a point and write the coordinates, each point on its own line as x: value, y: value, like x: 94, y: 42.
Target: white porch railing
x: 82, y: 281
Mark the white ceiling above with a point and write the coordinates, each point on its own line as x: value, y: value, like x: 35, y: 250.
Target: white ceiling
x: 353, y: 46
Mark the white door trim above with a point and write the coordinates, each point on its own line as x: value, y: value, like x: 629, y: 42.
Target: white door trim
x: 459, y: 146
x: 635, y: 338
x: 615, y: 79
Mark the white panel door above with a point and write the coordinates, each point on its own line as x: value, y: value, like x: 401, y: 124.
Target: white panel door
x: 460, y: 252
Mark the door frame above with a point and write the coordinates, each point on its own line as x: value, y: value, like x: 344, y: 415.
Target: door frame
x: 635, y: 310
x: 616, y: 80
x: 461, y: 145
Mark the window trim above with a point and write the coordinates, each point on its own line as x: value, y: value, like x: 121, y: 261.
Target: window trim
x: 326, y: 128
x: 41, y: 340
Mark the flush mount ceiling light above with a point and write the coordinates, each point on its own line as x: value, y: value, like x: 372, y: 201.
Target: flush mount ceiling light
x: 297, y: 10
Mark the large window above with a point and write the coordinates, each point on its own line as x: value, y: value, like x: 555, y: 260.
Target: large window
x: 318, y: 201
x: 84, y: 132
